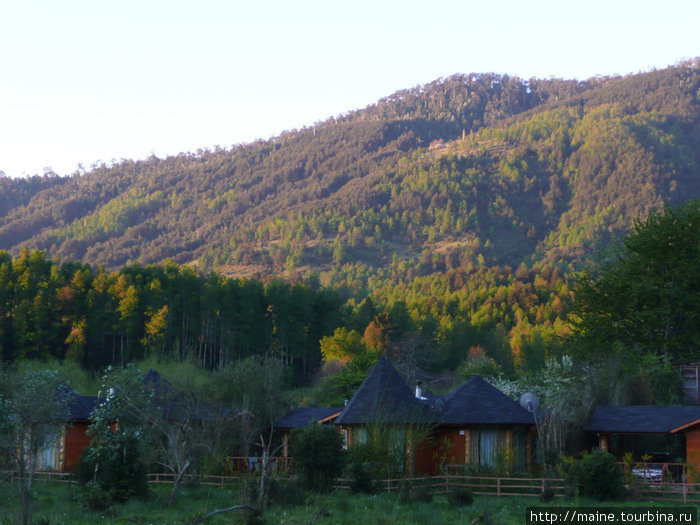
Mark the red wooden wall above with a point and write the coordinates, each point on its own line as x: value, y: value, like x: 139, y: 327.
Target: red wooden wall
x: 692, y: 447
x: 75, y: 441
x: 444, y: 447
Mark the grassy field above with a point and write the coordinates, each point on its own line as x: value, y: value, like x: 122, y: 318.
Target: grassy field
x: 55, y: 504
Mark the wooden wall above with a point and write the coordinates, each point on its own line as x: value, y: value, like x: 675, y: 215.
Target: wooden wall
x: 76, y: 440
x: 443, y: 447
x: 692, y: 447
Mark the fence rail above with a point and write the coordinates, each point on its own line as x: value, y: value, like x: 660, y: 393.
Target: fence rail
x: 680, y: 492
x: 656, y: 471
x: 479, y: 485
x: 39, y: 476
x: 249, y: 464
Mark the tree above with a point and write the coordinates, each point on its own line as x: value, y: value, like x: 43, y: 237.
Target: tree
x: 258, y: 386
x: 34, y: 410
x: 342, y: 345
x: 646, y: 300
x: 318, y: 451
x: 166, y: 424
x: 113, y: 468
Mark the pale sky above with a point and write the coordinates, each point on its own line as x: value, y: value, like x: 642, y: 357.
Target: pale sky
x: 83, y: 81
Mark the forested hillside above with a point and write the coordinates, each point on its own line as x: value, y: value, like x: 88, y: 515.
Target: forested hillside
x: 468, y: 166
x: 459, y: 207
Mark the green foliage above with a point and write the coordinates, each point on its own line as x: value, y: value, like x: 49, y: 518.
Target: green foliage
x: 257, y: 383
x: 342, y: 345
x: 34, y: 409
x: 319, y: 455
x: 460, y: 496
x: 597, y: 475
x: 462, y: 206
x: 336, y: 389
x: 382, y: 449
x: 548, y: 493
x: 414, y: 491
x: 361, y: 474
x: 113, y: 469
x: 643, y: 303
x: 644, y: 296
x: 72, y: 312
x: 478, y: 364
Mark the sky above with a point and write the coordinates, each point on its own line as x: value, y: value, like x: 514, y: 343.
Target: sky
x: 91, y: 81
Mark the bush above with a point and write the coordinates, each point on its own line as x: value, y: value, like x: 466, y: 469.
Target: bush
x: 411, y: 492
x: 381, y: 451
x: 547, y: 493
x: 319, y: 455
x: 286, y: 492
x: 361, y: 474
x: 460, y: 496
x: 111, y: 473
x: 597, y: 475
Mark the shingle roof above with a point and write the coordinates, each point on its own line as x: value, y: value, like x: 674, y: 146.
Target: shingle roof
x: 384, y: 397
x: 81, y: 407
x: 301, y: 417
x: 174, y: 405
x: 643, y: 419
x: 479, y: 402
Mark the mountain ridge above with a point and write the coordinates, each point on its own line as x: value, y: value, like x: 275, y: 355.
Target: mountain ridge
x: 470, y: 169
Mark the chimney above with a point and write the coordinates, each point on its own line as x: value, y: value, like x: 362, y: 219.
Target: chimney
x: 419, y: 390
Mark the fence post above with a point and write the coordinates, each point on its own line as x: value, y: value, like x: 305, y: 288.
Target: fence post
x: 498, y: 487
x: 447, y: 483
x: 685, y: 492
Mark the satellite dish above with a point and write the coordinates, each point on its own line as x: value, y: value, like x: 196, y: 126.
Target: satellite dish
x: 529, y: 401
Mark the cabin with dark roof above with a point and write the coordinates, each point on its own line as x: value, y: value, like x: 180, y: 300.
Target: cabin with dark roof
x: 75, y: 438
x: 623, y: 420
x: 300, y: 418
x: 474, y: 425
x: 64, y: 452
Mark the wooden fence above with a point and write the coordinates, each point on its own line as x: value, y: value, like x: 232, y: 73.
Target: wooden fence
x: 679, y: 492
x: 39, y: 476
x: 250, y: 464
x: 478, y: 485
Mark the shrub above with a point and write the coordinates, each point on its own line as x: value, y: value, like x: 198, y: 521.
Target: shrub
x: 460, y: 496
x: 286, y: 492
x: 547, y: 493
x: 319, y: 455
x: 111, y: 472
x: 597, y: 475
x: 411, y: 492
x: 362, y: 476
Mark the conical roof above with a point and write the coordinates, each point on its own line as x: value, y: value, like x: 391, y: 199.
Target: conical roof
x: 383, y: 397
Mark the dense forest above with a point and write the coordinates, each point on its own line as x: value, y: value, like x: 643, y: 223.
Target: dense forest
x: 448, y: 216
x: 72, y: 311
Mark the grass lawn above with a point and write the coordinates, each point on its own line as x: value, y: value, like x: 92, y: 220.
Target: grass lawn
x: 55, y: 504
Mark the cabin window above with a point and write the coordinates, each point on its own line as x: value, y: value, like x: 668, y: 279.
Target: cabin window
x: 487, y: 447
x: 487, y: 443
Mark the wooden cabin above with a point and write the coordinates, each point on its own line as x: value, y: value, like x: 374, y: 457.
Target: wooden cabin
x: 300, y: 418
x: 625, y: 420
x: 474, y: 425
